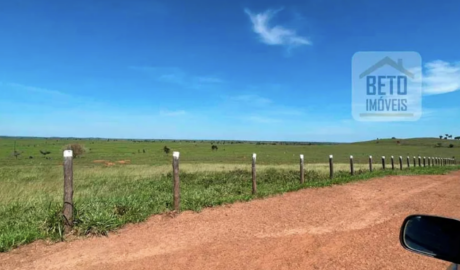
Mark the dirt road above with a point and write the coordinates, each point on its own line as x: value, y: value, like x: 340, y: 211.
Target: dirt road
x: 354, y: 226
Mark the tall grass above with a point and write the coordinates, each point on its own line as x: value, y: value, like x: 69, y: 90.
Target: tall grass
x: 108, y: 198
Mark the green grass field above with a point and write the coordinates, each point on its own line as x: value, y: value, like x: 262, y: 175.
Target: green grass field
x: 228, y: 153
x: 107, y: 197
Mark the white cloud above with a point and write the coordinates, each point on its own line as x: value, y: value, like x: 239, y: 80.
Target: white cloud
x: 274, y: 35
x: 172, y: 113
x: 441, y: 77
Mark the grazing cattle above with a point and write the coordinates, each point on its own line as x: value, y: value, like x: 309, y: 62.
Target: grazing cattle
x: 214, y: 147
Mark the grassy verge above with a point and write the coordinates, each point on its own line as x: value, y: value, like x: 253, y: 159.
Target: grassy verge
x: 108, y: 202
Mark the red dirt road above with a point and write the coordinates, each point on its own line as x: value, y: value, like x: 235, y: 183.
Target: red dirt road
x: 353, y: 226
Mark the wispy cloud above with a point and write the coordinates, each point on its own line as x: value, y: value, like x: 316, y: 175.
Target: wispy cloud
x: 441, y: 77
x: 274, y: 34
x: 172, y: 113
x: 174, y: 75
x: 429, y: 114
x: 252, y: 99
x: 261, y: 119
x: 209, y: 80
x: 31, y: 89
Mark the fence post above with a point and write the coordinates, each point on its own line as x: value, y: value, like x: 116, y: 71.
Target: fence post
x: 302, y: 174
x: 400, y: 163
x: 331, y: 167
x: 352, y: 171
x: 424, y: 161
x: 392, y: 163
x: 419, y: 161
x: 254, y: 183
x: 176, y: 183
x: 370, y: 163
x: 68, y: 191
x: 429, y: 162
x: 415, y: 161
x: 383, y: 162
x: 408, y: 162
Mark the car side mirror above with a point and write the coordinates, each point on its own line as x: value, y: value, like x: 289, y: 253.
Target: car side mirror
x: 432, y: 236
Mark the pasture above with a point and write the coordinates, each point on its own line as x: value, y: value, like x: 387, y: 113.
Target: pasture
x: 228, y: 152
x: 117, y: 183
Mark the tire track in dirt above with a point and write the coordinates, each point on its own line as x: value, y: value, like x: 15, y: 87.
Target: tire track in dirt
x: 353, y: 226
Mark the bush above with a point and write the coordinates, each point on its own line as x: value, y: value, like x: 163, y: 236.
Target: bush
x: 77, y: 149
x: 451, y: 146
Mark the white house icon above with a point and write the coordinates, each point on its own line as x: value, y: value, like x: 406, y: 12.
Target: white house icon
x: 387, y: 61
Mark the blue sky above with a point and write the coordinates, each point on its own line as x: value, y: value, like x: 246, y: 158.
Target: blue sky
x: 202, y: 69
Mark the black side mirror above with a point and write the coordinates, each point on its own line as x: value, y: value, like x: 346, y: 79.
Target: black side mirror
x: 432, y: 236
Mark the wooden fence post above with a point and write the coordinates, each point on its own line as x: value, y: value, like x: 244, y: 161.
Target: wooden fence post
x: 302, y: 174
x: 352, y: 171
x: 331, y: 167
x: 419, y: 161
x: 254, y: 182
x: 68, y: 191
x: 370, y: 163
x: 415, y: 162
x: 408, y: 162
x: 176, y: 181
x: 424, y: 161
x: 400, y: 163
x: 383, y: 162
x: 392, y: 163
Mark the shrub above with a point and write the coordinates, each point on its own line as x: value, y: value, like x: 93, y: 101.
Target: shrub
x: 451, y: 146
x: 77, y: 149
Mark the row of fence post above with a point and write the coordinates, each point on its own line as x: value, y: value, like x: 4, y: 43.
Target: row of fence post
x: 68, y: 177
